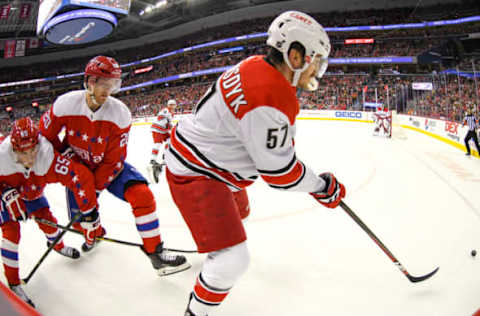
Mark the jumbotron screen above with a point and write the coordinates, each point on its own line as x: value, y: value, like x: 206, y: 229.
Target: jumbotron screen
x: 46, y: 11
x: 116, y: 6
x: 48, y: 8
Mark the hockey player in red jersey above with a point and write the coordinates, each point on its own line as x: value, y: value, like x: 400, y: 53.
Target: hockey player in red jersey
x: 96, y: 127
x: 160, y: 133
x: 242, y: 128
x: 29, y: 162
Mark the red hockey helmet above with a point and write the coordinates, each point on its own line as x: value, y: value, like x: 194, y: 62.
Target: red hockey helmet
x: 24, y: 134
x: 105, y: 67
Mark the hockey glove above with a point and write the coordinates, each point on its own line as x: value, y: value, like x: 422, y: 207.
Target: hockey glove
x: 333, y: 192
x: 14, y: 204
x: 155, y: 169
x: 69, y: 153
x: 90, y: 224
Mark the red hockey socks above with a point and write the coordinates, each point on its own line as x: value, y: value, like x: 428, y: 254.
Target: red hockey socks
x: 143, y: 206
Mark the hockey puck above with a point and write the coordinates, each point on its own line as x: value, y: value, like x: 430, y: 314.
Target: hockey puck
x: 473, y: 253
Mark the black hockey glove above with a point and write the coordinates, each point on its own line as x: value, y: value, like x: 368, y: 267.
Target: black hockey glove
x: 155, y: 169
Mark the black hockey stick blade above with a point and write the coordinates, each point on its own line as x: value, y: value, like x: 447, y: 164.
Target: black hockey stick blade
x: 384, y: 248
x: 423, y: 277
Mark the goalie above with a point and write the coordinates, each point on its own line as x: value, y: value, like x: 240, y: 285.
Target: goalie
x: 160, y: 133
x: 382, y: 119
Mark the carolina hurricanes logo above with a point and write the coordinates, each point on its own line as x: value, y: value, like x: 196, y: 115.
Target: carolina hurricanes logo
x: 301, y: 18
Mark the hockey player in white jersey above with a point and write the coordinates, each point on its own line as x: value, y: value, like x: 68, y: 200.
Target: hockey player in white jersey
x: 243, y: 128
x: 382, y: 119
x: 160, y: 133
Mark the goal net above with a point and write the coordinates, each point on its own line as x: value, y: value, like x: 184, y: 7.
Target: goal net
x: 398, y: 132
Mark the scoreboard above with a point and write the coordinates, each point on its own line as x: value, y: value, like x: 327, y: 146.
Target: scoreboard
x: 75, y: 22
x: 46, y: 10
x: 117, y: 6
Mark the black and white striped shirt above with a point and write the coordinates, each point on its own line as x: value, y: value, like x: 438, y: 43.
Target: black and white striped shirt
x: 471, y: 122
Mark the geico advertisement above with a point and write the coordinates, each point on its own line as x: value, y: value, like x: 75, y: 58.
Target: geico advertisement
x: 329, y: 114
x: 349, y: 114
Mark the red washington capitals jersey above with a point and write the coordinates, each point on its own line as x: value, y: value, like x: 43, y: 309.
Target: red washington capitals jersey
x: 98, y: 138
x: 49, y: 167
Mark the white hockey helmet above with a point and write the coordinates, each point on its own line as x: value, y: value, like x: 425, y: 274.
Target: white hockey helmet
x: 172, y: 102
x: 295, y: 26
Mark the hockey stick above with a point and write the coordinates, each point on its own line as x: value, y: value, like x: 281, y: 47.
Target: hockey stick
x: 117, y: 241
x: 384, y: 248
x: 52, y: 244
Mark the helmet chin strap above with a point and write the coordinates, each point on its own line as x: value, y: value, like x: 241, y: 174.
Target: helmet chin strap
x: 91, y: 96
x: 312, y: 84
x: 296, y: 72
x: 296, y: 76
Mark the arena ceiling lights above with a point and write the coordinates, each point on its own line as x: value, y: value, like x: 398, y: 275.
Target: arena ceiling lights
x: 149, y: 9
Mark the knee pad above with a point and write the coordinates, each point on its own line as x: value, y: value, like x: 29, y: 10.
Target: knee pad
x: 45, y: 213
x: 223, y: 268
x: 140, y: 198
x: 11, y: 232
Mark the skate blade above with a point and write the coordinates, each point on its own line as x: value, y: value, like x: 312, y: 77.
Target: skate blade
x: 172, y: 270
x: 74, y: 257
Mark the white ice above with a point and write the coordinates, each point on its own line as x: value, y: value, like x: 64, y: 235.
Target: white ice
x: 419, y: 196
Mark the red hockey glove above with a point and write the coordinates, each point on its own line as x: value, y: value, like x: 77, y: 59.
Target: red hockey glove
x: 333, y: 192
x: 90, y: 224
x: 14, y: 204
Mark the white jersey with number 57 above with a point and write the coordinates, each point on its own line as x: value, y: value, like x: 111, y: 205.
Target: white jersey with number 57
x: 243, y: 127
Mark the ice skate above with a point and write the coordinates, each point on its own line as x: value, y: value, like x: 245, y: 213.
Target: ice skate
x: 166, y: 263
x: 66, y: 251
x: 17, y: 289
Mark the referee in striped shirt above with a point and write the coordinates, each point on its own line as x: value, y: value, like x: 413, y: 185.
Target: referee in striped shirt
x: 472, y: 122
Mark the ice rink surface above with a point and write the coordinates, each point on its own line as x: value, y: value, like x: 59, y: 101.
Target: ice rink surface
x: 421, y: 197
